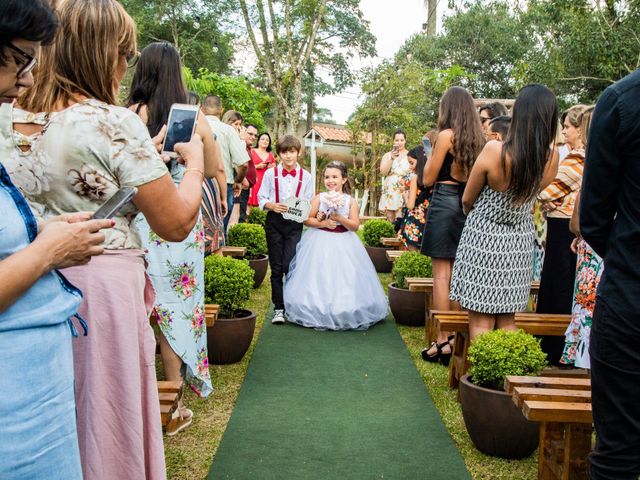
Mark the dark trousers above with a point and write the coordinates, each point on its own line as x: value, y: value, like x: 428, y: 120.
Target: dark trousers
x: 243, y: 200
x: 282, y: 238
x: 229, y: 205
x: 614, y: 348
x: 557, y: 281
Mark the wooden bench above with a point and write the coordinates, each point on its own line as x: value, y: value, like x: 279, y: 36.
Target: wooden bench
x: 391, y: 242
x: 393, y: 255
x: 562, y: 405
x: 169, y: 394
x: 425, y: 284
x: 233, y: 251
x: 211, y: 313
x: 458, y: 322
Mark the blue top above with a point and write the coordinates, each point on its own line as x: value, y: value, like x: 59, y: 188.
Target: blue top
x: 52, y: 299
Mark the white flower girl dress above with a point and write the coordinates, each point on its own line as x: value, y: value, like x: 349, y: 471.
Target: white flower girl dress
x: 332, y: 284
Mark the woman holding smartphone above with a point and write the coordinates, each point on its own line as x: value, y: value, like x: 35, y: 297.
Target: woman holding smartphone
x: 458, y: 143
x: 86, y: 152
x: 176, y: 268
x: 394, y: 166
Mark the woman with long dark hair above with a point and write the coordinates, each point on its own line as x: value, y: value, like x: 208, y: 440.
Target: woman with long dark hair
x: 493, y: 269
x: 176, y: 268
x: 459, y: 142
x: 262, y: 159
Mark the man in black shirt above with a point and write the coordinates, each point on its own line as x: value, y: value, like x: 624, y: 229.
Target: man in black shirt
x: 610, y: 224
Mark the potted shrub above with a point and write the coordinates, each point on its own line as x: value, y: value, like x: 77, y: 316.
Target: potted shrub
x: 495, y: 424
x: 253, y: 238
x: 408, y: 308
x: 373, y: 231
x: 257, y: 216
x: 228, y: 283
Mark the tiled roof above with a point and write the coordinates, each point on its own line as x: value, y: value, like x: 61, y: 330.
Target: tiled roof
x: 336, y: 134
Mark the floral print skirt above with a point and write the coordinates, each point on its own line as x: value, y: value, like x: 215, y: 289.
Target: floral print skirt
x: 177, y: 272
x: 588, y: 273
x: 413, y: 224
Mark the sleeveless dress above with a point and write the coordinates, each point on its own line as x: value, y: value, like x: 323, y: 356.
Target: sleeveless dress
x: 414, y: 220
x: 255, y: 158
x: 177, y: 273
x: 393, y: 185
x: 493, y: 268
x: 332, y: 284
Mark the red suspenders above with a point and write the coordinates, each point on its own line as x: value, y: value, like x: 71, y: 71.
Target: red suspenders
x: 275, y: 176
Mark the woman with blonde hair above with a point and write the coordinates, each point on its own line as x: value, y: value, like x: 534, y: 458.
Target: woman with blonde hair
x: 87, y: 151
x: 558, y: 200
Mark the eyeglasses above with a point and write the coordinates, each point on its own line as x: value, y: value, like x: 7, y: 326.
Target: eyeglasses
x: 28, y: 61
x: 132, y: 59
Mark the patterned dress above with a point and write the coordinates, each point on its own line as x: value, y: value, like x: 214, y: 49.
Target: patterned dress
x: 494, y: 263
x: 588, y: 272
x: 414, y: 220
x: 393, y: 185
x: 177, y: 273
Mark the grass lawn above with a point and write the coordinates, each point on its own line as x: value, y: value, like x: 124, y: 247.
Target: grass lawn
x: 190, y: 453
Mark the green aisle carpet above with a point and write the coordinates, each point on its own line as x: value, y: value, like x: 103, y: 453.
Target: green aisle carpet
x: 334, y: 405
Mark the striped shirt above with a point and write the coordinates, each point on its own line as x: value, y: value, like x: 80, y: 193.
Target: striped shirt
x: 562, y: 192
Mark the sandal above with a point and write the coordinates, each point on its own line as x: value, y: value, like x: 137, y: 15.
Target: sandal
x: 182, y: 418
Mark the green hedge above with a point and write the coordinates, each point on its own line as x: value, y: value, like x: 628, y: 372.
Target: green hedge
x: 227, y: 282
x: 248, y: 235
x: 375, y: 229
x: 498, y: 353
x: 411, y: 264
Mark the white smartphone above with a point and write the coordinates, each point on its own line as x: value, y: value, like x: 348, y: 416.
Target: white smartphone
x: 181, y: 126
x: 116, y: 202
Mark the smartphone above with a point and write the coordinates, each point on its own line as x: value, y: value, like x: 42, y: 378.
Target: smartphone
x: 116, y: 202
x: 180, y: 126
x: 427, y: 147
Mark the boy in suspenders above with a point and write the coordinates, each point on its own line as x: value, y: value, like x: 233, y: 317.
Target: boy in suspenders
x: 280, y: 183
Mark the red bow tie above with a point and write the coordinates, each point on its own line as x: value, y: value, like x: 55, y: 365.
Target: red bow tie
x: 288, y: 172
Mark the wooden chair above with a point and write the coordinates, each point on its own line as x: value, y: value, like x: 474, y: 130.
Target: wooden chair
x: 562, y: 405
x: 424, y: 284
x: 458, y: 322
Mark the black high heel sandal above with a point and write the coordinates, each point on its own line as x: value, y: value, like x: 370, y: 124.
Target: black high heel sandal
x: 439, y: 356
x: 445, y: 358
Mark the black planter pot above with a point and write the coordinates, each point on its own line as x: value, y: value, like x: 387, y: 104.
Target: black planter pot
x: 229, y: 338
x: 259, y: 266
x: 495, y: 424
x: 379, y: 258
x: 407, y: 307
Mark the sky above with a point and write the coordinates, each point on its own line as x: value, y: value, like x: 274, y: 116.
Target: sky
x: 391, y: 22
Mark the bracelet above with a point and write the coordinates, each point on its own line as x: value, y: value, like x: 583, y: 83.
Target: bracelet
x: 194, y: 170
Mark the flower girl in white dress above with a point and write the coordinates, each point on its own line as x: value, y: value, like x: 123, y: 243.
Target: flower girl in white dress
x: 332, y: 284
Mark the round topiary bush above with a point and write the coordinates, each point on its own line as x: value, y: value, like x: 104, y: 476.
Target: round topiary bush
x: 257, y: 216
x: 227, y: 282
x: 375, y: 229
x: 410, y: 264
x: 498, y: 353
x: 248, y: 235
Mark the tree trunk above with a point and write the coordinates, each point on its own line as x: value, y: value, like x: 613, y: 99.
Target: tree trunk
x: 310, y: 96
x: 432, y: 17
x: 373, y: 174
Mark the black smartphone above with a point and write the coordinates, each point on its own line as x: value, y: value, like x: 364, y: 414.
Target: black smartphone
x: 116, y: 202
x: 180, y: 126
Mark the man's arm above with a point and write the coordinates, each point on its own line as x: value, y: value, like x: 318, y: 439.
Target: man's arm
x: 602, y: 174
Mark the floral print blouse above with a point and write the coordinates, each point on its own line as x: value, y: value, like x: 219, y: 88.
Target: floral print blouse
x: 84, y: 154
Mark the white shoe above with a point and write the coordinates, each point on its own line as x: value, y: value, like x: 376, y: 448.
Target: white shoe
x: 278, y: 317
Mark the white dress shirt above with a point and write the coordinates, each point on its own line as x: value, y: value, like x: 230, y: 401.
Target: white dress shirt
x: 287, y: 185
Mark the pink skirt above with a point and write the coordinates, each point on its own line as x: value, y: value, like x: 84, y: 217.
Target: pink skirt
x: 119, y: 429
